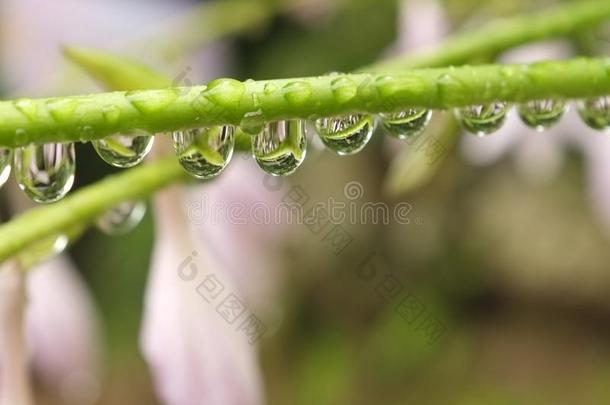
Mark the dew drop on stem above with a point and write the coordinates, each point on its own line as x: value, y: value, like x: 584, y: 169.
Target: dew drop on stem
x: 45, y: 172
x: 406, y: 123
x: 542, y: 114
x: 595, y: 112
x: 124, y: 150
x: 280, y: 148
x: 483, y: 119
x: 205, y: 152
x: 347, y: 134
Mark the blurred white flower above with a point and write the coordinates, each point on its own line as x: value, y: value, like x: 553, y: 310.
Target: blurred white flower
x: 15, y: 385
x: 421, y: 24
x: 61, y: 324
x: 196, y: 355
x: 255, y: 269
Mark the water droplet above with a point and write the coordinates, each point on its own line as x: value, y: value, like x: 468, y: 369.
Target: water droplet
x: 407, y: 123
x: 366, y: 91
x: 297, y: 93
x: 255, y: 100
x: 124, y: 150
x: 151, y: 101
x: 483, y: 119
x: 122, y: 219
x: 27, y: 107
x: 205, y: 152
x: 281, y: 146
x: 253, y: 122
x: 542, y: 114
x: 224, y: 91
x: 85, y: 133
x: 269, y: 89
x: 344, y: 89
x: 111, y: 114
x: 595, y: 112
x: 346, y: 135
x: 6, y: 158
x: 45, y: 172
x: 62, y: 109
x: 392, y: 89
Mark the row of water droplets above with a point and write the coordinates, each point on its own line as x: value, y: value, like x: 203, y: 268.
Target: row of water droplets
x: 279, y: 147
x: 46, y: 172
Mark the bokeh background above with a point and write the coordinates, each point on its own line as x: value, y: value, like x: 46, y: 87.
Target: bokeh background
x: 507, y: 248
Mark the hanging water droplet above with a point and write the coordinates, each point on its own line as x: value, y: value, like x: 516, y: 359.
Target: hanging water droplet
x: 6, y: 158
x: 122, y: 219
x: 45, y: 172
x: 346, y: 134
x: 483, y: 119
x: 407, y: 123
x: 542, y: 114
x: 124, y: 150
x: 205, y: 152
x: 595, y: 112
x: 281, y: 147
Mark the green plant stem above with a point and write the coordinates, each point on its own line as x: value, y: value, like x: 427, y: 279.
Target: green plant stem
x: 85, y: 205
x: 228, y: 101
x: 498, y: 36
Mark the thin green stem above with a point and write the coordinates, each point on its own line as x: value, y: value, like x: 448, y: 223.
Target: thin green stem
x: 498, y: 36
x: 228, y: 101
x: 85, y: 205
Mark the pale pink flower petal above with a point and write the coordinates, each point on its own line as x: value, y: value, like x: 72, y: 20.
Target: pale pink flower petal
x: 239, y: 209
x: 62, y: 331
x: 196, y: 356
x: 15, y: 385
x: 422, y: 23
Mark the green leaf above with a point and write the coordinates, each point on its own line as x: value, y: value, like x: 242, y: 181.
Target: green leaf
x: 116, y: 72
